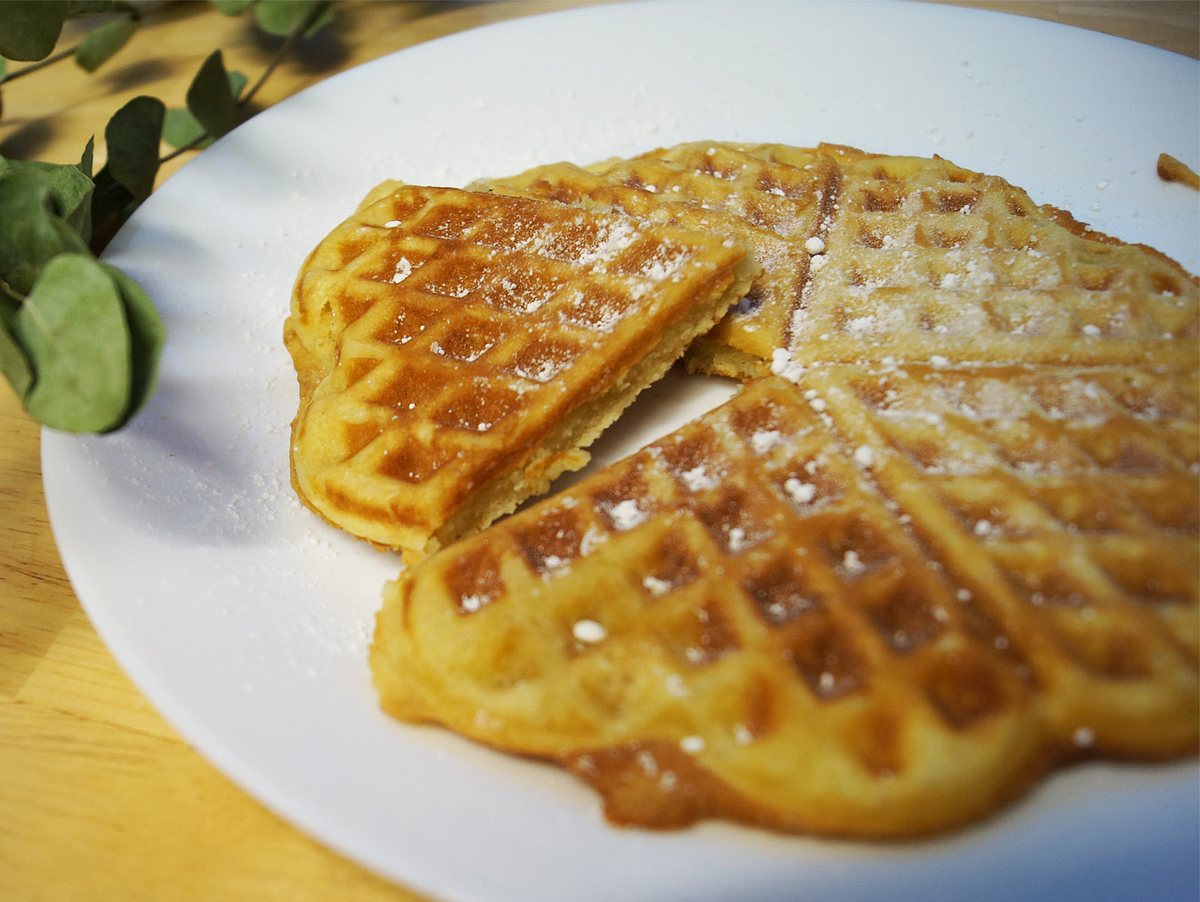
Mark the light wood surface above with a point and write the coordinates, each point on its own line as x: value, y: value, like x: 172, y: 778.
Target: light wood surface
x: 99, y: 798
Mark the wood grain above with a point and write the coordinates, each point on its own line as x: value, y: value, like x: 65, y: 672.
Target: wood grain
x: 100, y: 798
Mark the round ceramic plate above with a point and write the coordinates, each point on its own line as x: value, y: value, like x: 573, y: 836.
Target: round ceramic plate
x: 246, y: 621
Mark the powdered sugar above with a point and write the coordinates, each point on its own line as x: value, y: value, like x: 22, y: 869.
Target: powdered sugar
x: 655, y: 586
x: 800, y: 492
x: 626, y: 515
x: 764, y: 440
x: 404, y: 269
x: 698, y: 479
x: 783, y: 365
x: 589, y: 632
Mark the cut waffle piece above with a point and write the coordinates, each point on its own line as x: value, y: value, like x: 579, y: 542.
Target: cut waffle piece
x: 456, y: 351
x: 879, y: 602
x: 925, y: 260
x: 772, y: 208
x: 868, y: 257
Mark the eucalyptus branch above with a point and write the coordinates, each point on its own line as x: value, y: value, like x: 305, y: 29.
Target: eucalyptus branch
x: 180, y: 151
x: 87, y: 47
x: 289, y: 42
x: 285, y: 48
x: 41, y: 64
x: 12, y: 293
x: 80, y: 340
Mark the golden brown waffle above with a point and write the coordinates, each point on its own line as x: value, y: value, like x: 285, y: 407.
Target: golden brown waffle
x: 960, y: 548
x: 869, y: 258
x: 771, y: 207
x: 925, y: 260
x: 456, y: 351
x: 879, y: 602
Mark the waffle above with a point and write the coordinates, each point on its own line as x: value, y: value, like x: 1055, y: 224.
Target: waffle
x: 957, y: 547
x: 772, y: 208
x: 926, y: 259
x: 870, y: 258
x: 456, y: 351
x: 880, y: 601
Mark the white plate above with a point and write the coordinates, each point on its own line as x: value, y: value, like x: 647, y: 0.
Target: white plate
x: 246, y: 621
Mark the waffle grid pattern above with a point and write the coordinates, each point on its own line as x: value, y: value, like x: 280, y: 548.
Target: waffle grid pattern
x: 859, y: 608
x: 924, y: 258
x: 491, y: 301
x: 772, y: 208
x: 956, y: 547
x: 917, y: 258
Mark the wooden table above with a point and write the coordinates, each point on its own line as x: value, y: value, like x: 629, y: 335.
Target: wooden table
x: 99, y: 797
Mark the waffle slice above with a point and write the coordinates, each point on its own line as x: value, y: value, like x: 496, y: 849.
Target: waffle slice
x: 456, y: 351
x: 881, y: 602
x: 927, y: 260
x: 772, y: 208
x: 868, y: 257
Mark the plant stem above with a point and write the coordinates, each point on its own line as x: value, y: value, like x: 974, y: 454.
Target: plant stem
x: 41, y: 64
x: 284, y: 49
x: 180, y: 151
x: 8, y: 291
x: 134, y: 15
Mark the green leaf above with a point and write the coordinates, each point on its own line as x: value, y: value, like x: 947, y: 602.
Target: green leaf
x: 99, y: 44
x: 325, y: 17
x: 147, y: 335
x: 77, y: 8
x: 231, y: 7
x: 210, y: 97
x: 29, y: 29
x: 181, y: 128
x: 279, y: 17
x: 282, y: 17
x: 13, y: 362
x: 132, y: 137
x: 70, y: 193
x: 30, y: 232
x: 237, y: 81
x: 112, y: 204
x: 3, y: 68
x: 73, y: 328
x: 88, y: 157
